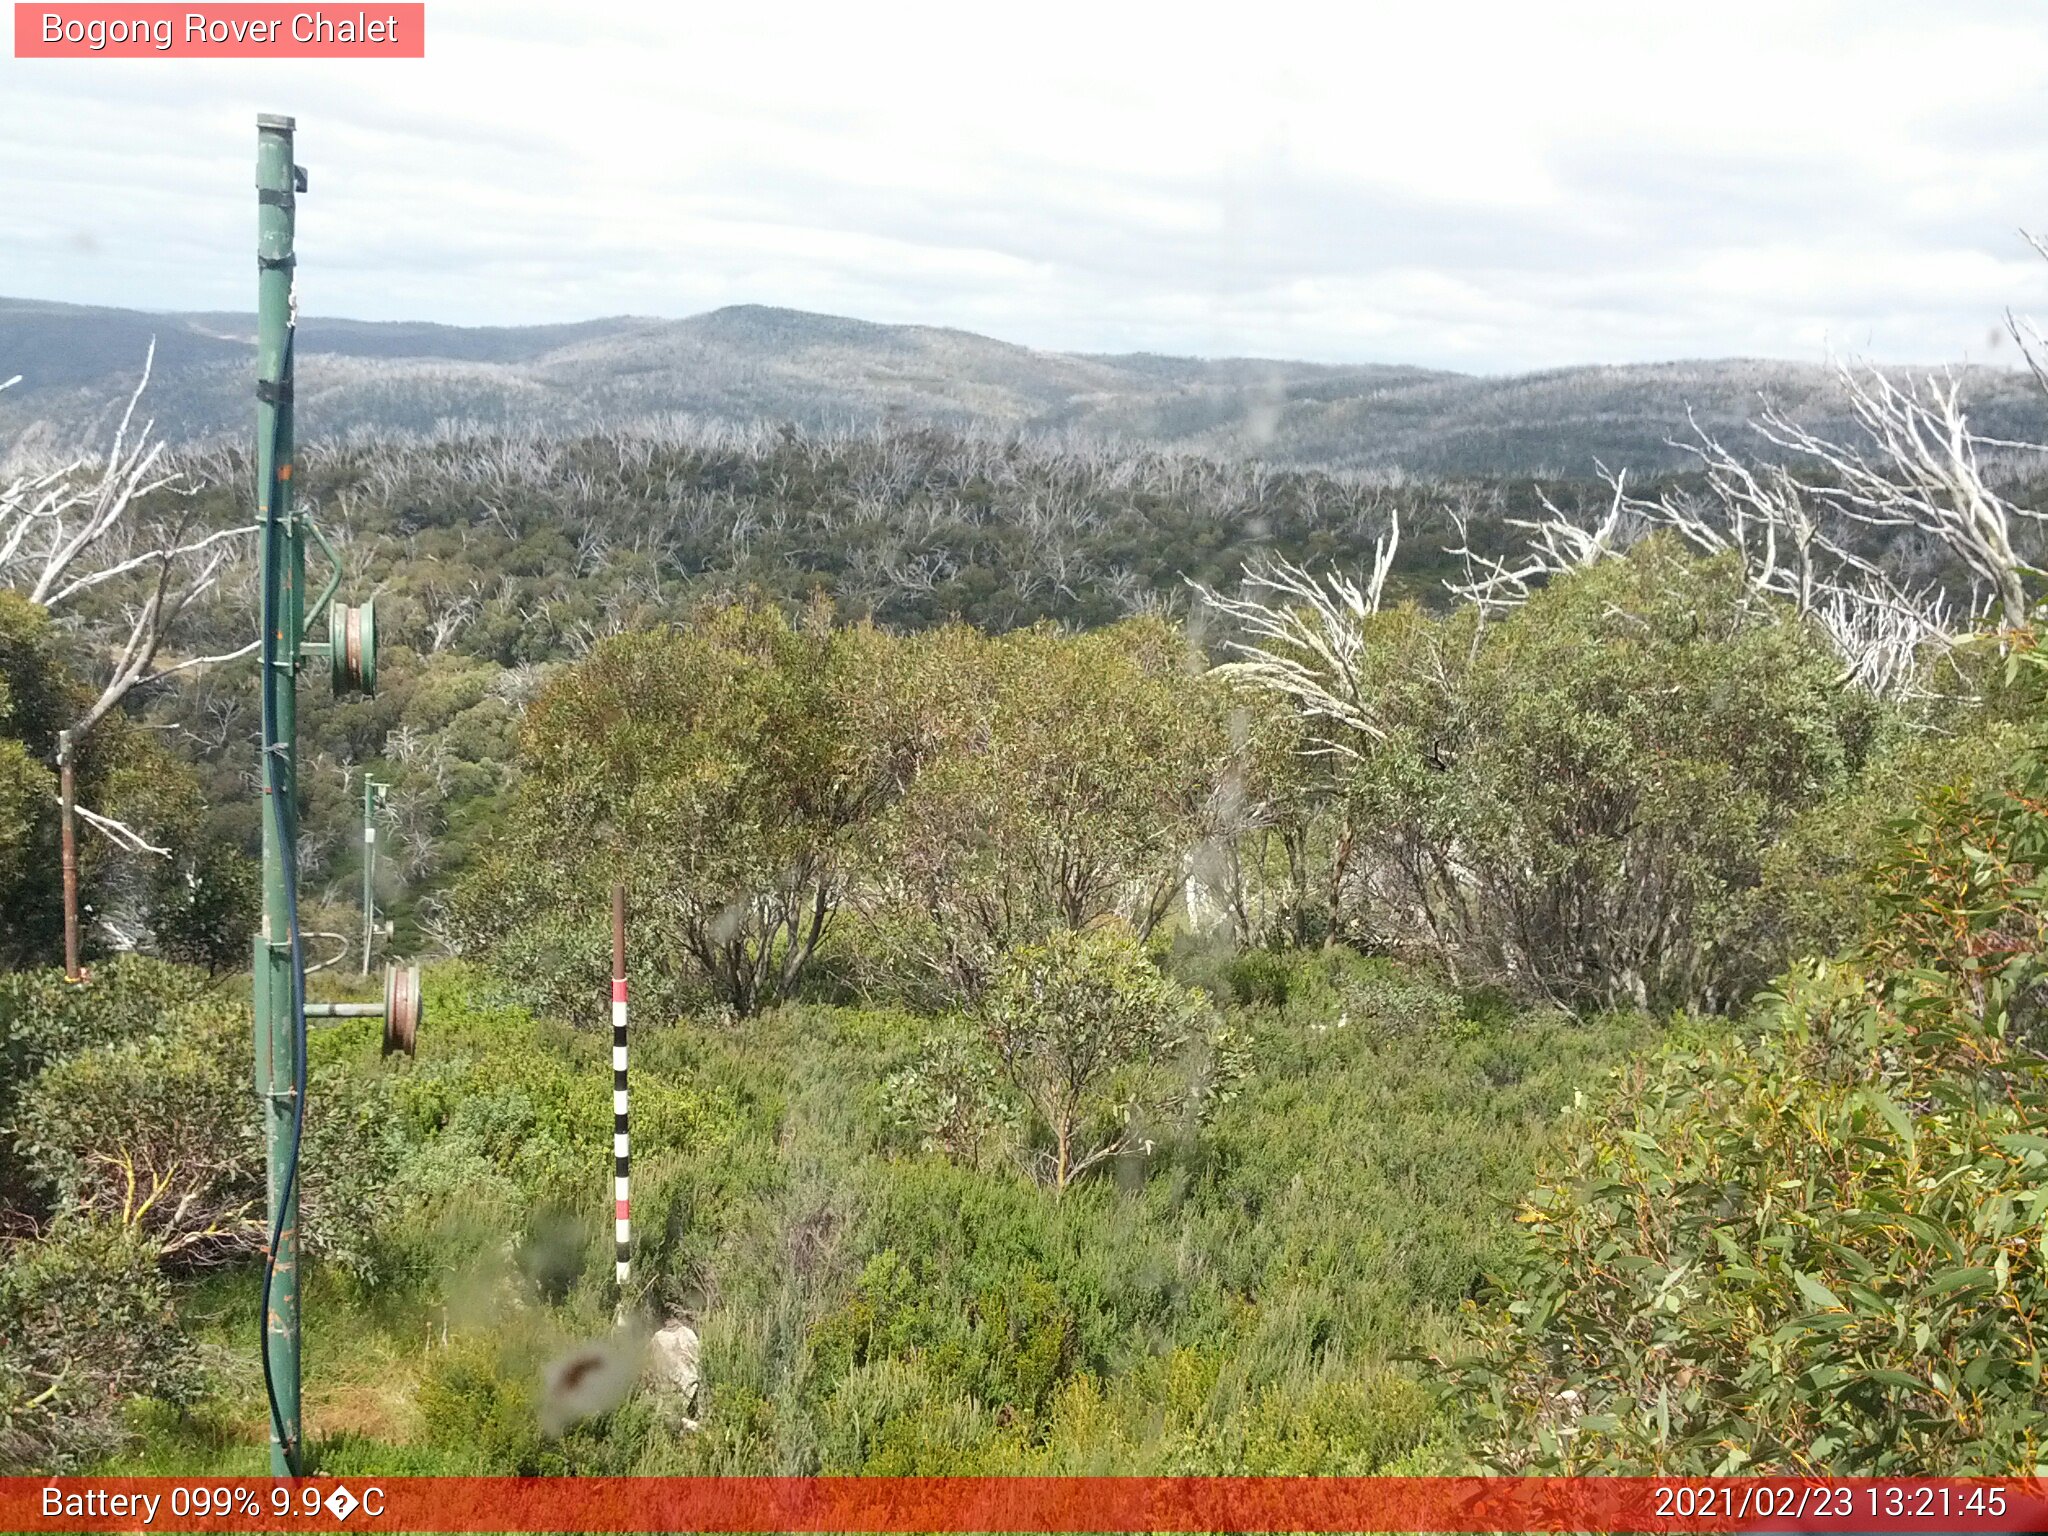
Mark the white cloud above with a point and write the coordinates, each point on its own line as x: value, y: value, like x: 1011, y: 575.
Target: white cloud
x: 1487, y: 186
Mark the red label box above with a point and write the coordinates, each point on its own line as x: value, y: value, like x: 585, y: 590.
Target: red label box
x: 1655, y: 1506
x: 240, y: 31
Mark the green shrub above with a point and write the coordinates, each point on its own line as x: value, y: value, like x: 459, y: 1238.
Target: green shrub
x: 352, y: 1194
x: 1339, y: 991
x: 1576, y: 799
x: 1089, y: 1033
x: 1259, y: 978
x: 892, y: 1419
x: 1052, y: 782
x: 952, y: 1100
x: 155, y: 1133
x: 158, y: 1131
x: 44, y: 1018
x: 720, y: 768
x: 501, y: 1125
x: 86, y: 1324
x: 483, y: 1409
x: 207, y: 901
x: 1007, y: 1348
x: 1815, y: 1249
x: 1331, y: 1426
x: 1815, y: 896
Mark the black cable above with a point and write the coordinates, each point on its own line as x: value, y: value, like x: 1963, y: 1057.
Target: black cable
x: 273, y: 779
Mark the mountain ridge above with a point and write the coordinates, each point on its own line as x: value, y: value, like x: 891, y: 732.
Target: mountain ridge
x: 753, y: 362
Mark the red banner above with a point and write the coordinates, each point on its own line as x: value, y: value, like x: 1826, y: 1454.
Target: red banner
x: 1024, y: 1504
x: 100, y: 31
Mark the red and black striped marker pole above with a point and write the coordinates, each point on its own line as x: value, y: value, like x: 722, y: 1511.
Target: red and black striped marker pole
x: 621, y: 1155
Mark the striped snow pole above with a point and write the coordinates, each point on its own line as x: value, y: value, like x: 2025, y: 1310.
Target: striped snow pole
x: 620, y: 1155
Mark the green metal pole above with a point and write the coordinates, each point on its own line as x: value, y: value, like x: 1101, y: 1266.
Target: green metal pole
x: 370, y: 788
x: 278, y: 1025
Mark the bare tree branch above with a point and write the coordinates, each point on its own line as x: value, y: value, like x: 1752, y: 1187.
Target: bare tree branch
x: 72, y: 530
x: 1309, y: 643
x: 123, y: 835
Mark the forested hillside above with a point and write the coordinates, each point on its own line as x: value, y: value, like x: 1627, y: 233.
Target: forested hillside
x: 1114, y: 933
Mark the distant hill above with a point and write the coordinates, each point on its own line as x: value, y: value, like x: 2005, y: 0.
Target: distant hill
x: 752, y: 363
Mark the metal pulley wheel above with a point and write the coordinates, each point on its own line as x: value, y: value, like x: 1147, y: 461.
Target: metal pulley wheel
x: 352, y: 646
x: 402, y: 1008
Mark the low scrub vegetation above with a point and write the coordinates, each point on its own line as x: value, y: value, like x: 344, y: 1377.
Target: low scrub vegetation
x: 1296, y: 1025
x: 1228, y: 1293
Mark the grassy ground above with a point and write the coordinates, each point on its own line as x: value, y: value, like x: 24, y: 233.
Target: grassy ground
x: 1237, y: 1303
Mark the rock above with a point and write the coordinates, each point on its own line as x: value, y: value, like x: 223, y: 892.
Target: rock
x: 673, y: 1362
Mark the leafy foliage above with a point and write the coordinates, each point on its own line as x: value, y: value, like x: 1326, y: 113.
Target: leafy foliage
x: 1088, y: 1032
x: 719, y: 770
x: 952, y: 1100
x: 496, y: 559
x: 1579, y: 799
x: 86, y: 1322
x: 196, y: 902
x: 154, y: 1134
x: 1644, y: 788
x: 1817, y: 1248
x: 864, y: 1309
x: 1630, y: 746
x: 1050, y: 782
x: 44, y: 1019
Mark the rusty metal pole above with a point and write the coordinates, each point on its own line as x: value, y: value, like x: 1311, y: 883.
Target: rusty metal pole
x: 67, y: 790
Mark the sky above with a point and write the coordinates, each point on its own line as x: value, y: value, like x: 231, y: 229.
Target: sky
x: 1486, y: 187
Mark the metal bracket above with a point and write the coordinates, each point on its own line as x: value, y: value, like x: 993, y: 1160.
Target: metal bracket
x: 402, y: 1009
x: 326, y: 593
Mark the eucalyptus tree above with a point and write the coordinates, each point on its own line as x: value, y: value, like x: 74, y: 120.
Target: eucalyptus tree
x: 719, y: 768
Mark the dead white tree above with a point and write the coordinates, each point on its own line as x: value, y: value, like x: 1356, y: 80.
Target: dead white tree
x: 1554, y: 546
x: 120, y: 833
x: 1921, y: 472
x: 1885, y: 648
x: 449, y: 613
x: 1304, y: 637
x: 1920, y: 469
x: 1792, y: 539
x: 75, y: 529
x: 1793, y: 533
x: 70, y: 530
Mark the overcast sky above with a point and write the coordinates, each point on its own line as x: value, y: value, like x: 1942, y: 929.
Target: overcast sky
x: 1487, y: 187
